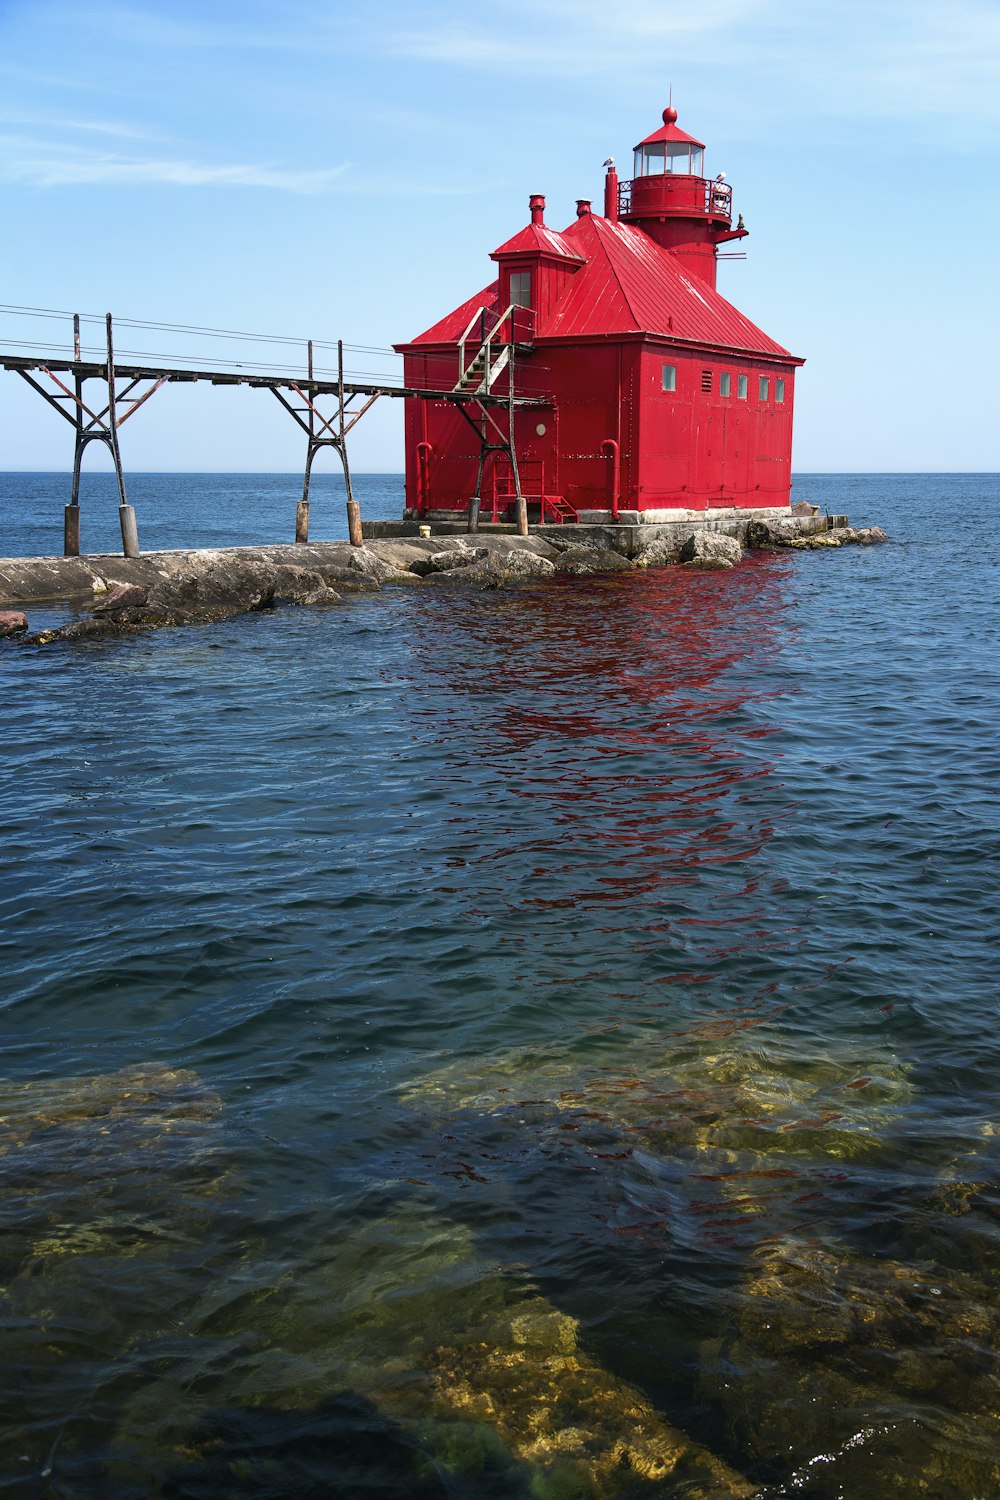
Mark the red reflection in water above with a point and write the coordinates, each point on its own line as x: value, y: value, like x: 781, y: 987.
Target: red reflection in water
x: 620, y: 713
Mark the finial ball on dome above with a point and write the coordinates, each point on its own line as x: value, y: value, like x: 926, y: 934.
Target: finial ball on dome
x: 670, y: 115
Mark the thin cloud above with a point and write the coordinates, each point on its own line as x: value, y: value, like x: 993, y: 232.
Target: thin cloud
x: 90, y: 127
x: 40, y: 166
x: 575, y: 37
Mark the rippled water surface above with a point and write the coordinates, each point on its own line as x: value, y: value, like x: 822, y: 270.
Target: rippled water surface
x: 534, y: 1044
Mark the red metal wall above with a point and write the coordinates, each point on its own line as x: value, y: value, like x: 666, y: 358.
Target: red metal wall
x: 701, y: 449
x: 691, y: 448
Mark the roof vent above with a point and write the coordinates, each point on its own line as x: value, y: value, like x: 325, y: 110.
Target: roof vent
x: 537, y: 205
x: 582, y: 207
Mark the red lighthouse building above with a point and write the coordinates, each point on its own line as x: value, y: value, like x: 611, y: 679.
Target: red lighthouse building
x: 601, y: 376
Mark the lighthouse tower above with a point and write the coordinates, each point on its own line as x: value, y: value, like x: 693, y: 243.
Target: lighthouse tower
x: 615, y: 382
x: 671, y: 200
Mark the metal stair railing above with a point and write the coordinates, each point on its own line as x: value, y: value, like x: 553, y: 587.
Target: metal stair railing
x: 482, y: 372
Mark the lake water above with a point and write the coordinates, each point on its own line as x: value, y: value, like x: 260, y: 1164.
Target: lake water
x: 534, y: 1044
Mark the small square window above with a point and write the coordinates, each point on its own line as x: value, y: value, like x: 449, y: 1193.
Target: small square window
x: 742, y: 381
x: 520, y: 288
x: 725, y: 384
x: 764, y: 388
x: 670, y: 377
x: 779, y: 391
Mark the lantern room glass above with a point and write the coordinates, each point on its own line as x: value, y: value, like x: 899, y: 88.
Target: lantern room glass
x: 682, y: 158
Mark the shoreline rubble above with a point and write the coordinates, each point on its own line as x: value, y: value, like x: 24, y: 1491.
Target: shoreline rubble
x: 128, y: 595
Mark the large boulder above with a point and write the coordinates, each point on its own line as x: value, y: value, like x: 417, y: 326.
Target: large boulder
x: 661, y: 552
x: 496, y: 570
x: 869, y: 536
x: 711, y: 549
x: 779, y: 531
x: 582, y: 561
x: 120, y: 596
x: 12, y: 622
x: 225, y: 586
x: 458, y: 556
x: 294, y: 585
x: 366, y: 564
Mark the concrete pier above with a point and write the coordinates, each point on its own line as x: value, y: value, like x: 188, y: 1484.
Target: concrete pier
x: 624, y: 537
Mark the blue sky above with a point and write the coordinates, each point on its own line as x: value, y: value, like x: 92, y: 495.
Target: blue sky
x: 343, y: 170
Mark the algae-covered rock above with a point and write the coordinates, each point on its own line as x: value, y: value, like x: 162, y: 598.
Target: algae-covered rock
x: 833, y: 1359
x: 583, y: 1431
x: 109, y: 1186
x: 736, y: 1098
x: 407, y: 1313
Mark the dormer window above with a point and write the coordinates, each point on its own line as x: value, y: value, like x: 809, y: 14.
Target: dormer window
x: 520, y: 288
x: 683, y: 158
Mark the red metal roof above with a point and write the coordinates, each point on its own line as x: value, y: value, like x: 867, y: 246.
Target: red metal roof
x: 631, y: 285
x: 535, y: 238
x: 628, y: 284
x: 671, y: 133
x: 451, y: 327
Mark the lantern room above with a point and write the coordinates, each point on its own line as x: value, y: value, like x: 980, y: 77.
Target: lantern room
x: 672, y: 200
x: 669, y: 150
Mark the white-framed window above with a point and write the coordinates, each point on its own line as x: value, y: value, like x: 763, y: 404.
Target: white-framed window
x: 779, y: 391
x: 725, y: 384
x: 742, y: 384
x: 520, y: 288
x: 763, y: 388
x: 669, y: 378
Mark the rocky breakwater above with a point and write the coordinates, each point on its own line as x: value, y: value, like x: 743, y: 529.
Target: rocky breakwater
x: 201, y: 587
x: 126, y: 595
x: 782, y: 533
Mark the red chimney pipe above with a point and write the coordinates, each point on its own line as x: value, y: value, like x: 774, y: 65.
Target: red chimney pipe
x: 611, y: 194
x: 582, y: 207
x: 537, y: 205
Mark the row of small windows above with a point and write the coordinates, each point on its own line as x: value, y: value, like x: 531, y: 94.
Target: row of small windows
x: 726, y: 384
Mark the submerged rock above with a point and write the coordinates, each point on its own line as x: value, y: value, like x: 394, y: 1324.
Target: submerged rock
x: 491, y: 1378
x: 90, y: 1141
x: 737, y: 1099
x: 862, y: 1373
x: 110, y: 1186
x: 711, y: 549
x: 582, y: 1430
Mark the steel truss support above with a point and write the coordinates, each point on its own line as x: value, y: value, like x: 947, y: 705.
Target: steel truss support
x: 496, y: 441
x: 326, y: 432
x: 96, y: 423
